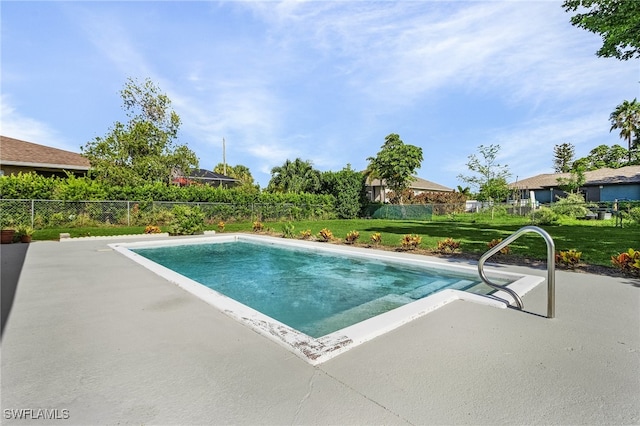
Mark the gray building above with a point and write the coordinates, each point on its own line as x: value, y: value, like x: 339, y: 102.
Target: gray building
x: 600, y: 185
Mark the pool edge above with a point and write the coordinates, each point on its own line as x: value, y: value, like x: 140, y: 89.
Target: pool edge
x: 316, y: 351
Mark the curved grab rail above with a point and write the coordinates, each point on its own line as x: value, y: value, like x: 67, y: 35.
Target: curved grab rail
x: 551, y: 267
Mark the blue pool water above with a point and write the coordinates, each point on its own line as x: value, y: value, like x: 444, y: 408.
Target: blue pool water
x: 315, y: 293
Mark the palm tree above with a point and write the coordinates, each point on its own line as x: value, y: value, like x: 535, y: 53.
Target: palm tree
x: 294, y: 176
x: 626, y: 117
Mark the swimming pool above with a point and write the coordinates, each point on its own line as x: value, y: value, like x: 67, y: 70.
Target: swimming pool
x: 318, y: 300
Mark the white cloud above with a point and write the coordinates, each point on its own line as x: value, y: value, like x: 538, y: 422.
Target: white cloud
x: 113, y: 39
x: 16, y: 125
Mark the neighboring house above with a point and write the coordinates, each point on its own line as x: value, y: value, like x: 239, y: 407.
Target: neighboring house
x: 21, y: 156
x: 377, y: 190
x: 600, y: 185
x: 206, y: 177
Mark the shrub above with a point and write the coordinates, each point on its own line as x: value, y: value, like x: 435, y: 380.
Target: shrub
x: 147, y: 214
x: 376, y: 238
x: 287, y: 230
x: 544, y: 216
x: 573, y: 205
x: 504, y: 250
x: 411, y: 241
x: 628, y: 261
x: 448, y: 245
x: 221, y: 225
x: 352, y: 237
x: 325, y: 235
x: 306, y: 234
x: 634, y: 215
x: 257, y: 226
x: 152, y: 229
x: 24, y: 230
x: 83, y: 220
x: 568, y: 258
x: 186, y: 220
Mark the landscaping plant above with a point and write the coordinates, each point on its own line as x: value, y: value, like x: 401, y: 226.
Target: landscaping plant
x: 628, y: 261
x: 411, y: 241
x: 152, y: 229
x: 186, y: 220
x: 305, y: 234
x: 376, y: 238
x: 504, y: 250
x: 287, y: 230
x: 568, y: 258
x: 325, y: 235
x: 448, y: 245
x: 352, y: 237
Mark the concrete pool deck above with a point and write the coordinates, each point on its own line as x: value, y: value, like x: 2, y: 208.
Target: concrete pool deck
x: 97, y: 338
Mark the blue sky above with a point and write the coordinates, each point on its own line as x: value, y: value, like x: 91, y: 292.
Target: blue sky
x: 325, y: 81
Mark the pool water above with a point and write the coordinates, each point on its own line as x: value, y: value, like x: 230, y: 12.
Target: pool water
x: 314, y: 292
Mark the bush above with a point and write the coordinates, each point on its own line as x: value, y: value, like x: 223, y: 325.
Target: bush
x: 544, y: 216
x: 257, y: 226
x: 573, y: 206
x: 306, y: 234
x: 504, y: 250
x: 186, y: 220
x: 448, y: 245
x: 628, y: 261
x: 325, y: 235
x: 376, y: 238
x: 411, y: 242
x: 31, y: 186
x: 352, y: 237
x: 152, y: 229
x: 634, y: 214
x: 287, y: 230
x: 569, y: 258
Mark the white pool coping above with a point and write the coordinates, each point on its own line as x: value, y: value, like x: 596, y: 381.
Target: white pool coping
x: 318, y: 350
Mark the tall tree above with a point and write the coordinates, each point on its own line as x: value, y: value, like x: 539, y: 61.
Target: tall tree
x: 617, y: 21
x: 348, y: 187
x: 626, y: 117
x: 238, y: 172
x: 490, y: 177
x: 563, y: 157
x: 602, y: 156
x: 142, y: 149
x: 395, y: 163
x: 572, y: 183
x: 294, y: 176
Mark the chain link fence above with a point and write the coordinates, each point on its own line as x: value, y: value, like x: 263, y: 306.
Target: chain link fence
x: 400, y: 212
x: 42, y: 214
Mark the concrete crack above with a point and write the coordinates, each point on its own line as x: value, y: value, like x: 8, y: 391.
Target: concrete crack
x: 306, y: 396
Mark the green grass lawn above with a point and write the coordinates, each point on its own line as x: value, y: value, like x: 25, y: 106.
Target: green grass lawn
x: 597, y: 240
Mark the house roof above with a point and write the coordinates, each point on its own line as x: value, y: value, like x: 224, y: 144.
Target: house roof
x: 605, y: 176
x: 207, y: 175
x: 16, y: 152
x: 418, y: 184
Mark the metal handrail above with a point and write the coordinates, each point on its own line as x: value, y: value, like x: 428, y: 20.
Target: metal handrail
x: 551, y: 267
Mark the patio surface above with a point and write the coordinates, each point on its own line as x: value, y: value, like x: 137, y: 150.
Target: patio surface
x: 103, y: 340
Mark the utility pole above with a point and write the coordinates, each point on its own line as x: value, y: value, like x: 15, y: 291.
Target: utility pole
x: 224, y: 157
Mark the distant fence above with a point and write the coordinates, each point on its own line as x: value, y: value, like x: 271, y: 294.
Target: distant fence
x: 41, y: 214
x: 399, y: 212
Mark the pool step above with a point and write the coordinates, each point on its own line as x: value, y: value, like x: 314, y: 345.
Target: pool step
x: 422, y: 291
x: 463, y: 285
x: 364, y: 311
